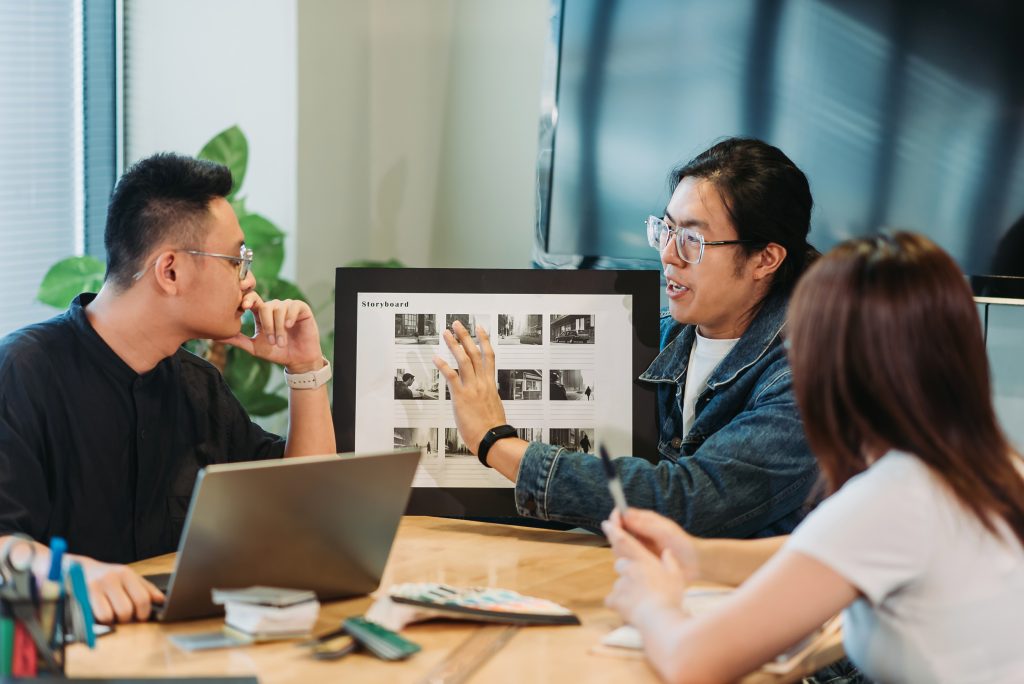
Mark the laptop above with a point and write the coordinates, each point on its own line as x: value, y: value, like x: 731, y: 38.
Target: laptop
x: 323, y: 523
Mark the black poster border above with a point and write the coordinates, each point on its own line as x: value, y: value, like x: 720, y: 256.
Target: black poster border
x: 642, y: 285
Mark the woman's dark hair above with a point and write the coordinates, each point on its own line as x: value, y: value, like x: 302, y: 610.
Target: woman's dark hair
x: 766, y: 195
x: 887, y: 353
x: 158, y: 196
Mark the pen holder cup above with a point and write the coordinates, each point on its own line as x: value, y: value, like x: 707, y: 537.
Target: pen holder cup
x: 36, y: 633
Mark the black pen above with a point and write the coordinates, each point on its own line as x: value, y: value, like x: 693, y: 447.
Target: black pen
x: 614, y: 483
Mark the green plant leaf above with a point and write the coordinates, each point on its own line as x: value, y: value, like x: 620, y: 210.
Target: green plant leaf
x: 266, y: 263
x: 267, y: 244
x: 197, y: 347
x: 248, y: 324
x: 266, y: 404
x: 279, y: 288
x: 69, y: 277
x: 260, y: 232
x: 246, y: 375
x: 369, y: 263
x: 230, y: 148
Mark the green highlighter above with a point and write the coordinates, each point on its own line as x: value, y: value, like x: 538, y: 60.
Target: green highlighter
x: 379, y: 641
x: 6, y: 639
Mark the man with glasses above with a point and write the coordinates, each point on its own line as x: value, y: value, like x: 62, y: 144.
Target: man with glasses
x: 733, y: 460
x: 105, y: 420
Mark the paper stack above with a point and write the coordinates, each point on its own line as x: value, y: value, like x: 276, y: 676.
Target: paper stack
x: 264, y: 613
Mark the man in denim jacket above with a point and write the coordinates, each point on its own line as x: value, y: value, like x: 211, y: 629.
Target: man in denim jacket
x: 733, y: 458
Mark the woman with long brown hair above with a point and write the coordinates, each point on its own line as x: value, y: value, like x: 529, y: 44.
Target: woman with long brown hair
x: 921, y: 542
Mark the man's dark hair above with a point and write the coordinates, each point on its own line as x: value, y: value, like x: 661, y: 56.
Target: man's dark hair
x: 766, y: 195
x: 163, y: 195
x: 407, y: 377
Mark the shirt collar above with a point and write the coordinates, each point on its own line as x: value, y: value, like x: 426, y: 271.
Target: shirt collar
x: 764, y: 331
x: 100, y: 350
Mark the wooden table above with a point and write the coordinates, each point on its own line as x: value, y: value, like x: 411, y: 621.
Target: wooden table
x: 574, y: 569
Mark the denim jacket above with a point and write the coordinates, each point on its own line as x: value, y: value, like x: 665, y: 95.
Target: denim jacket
x: 743, y: 470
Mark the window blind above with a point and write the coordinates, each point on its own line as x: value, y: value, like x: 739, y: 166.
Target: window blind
x: 39, y: 197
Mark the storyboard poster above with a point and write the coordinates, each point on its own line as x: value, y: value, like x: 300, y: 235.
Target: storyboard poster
x: 566, y: 357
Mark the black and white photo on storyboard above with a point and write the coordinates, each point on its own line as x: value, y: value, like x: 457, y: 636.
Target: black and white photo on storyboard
x: 416, y: 329
x: 520, y: 329
x: 447, y: 387
x: 573, y: 439
x: 572, y: 329
x: 417, y: 437
x: 454, y: 445
x: 530, y: 434
x: 469, y: 322
x: 520, y: 384
x: 572, y: 385
x: 417, y: 381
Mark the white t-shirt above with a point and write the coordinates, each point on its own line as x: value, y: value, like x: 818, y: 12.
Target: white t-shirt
x: 943, y: 597
x: 705, y: 355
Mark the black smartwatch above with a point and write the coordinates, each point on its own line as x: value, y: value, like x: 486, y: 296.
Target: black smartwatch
x: 492, y: 436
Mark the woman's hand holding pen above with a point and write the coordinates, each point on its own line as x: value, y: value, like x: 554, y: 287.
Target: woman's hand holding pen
x: 650, y: 586
x: 658, y: 534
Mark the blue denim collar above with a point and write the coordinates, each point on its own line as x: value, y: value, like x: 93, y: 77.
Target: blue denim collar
x: 764, y: 332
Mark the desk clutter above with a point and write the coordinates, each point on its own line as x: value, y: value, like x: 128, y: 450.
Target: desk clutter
x: 405, y: 604
x: 37, y: 619
x: 257, y: 614
x: 356, y: 633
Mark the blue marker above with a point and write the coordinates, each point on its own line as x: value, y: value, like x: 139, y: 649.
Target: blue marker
x: 81, y: 594
x: 57, y: 548
x: 51, y: 591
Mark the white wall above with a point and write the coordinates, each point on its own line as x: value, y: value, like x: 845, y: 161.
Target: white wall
x: 196, y: 67
x: 333, y: 212
x: 487, y: 190
x: 417, y: 133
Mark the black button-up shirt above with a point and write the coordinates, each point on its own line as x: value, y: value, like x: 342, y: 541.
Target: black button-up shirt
x: 94, y: 452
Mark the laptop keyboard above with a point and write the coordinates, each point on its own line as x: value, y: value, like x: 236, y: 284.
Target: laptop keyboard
x: 161, y: 581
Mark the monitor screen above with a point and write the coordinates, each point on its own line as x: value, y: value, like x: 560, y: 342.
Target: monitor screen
x: 903, y: 114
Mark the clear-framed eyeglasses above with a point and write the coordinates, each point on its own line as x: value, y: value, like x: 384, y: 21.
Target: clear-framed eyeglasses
x: 689, y: 243
x: 243, y: 260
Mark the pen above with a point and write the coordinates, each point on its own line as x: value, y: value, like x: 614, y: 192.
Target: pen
x: 50, y: 589
x: 614, y: 483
